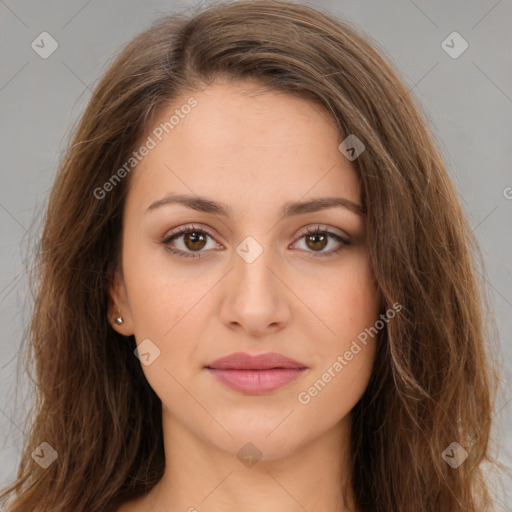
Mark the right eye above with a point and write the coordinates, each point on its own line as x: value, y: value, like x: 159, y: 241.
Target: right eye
x: 193, y: 240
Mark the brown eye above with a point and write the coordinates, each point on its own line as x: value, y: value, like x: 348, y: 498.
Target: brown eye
x: 318, y: 238
x: 316, y: 241
x: 191, y: 241
x: 194, y: 240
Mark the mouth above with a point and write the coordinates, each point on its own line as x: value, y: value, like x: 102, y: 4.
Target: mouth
x: 255, y: 375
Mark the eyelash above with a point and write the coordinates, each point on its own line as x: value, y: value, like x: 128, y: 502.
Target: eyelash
x: 192, y: 229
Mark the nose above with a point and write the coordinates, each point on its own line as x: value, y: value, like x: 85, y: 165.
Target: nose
x: 255, y: 296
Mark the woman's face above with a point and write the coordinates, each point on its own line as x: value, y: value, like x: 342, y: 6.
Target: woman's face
x: 247, y: 277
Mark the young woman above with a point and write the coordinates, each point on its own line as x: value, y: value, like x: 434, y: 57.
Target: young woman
x: 257, y: 288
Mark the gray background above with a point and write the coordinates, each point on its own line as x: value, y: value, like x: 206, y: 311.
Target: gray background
x: 467, y: 100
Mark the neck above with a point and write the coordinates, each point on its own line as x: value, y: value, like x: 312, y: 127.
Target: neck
x: 200, y: 477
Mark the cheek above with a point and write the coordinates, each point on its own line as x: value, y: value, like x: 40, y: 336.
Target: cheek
x: 169, y: 306
x: 349, y: 305
x: 161, y: 306
x: 347, y: 302
x: 333, y: 391
x: 161, y: 294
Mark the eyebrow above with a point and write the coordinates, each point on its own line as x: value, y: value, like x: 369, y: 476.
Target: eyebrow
x: 290, y: 208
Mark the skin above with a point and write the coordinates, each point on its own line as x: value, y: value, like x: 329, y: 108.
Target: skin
x: 253, y: 153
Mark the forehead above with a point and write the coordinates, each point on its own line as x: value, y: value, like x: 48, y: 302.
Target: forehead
x: 239, y: 141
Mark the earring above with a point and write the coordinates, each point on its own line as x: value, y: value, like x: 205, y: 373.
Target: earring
x: 119, y: 320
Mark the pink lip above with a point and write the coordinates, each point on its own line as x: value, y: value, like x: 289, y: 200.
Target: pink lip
x: 255, y: 375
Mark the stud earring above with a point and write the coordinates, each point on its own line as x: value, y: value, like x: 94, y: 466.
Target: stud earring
x: 119, y: 320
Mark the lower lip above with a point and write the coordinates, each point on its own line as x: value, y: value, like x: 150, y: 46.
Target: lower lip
x: 256, y: 382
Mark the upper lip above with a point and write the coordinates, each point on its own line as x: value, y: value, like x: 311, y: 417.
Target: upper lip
x: 245, y: 361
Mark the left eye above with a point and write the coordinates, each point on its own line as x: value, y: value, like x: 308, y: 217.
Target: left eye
x: 318, y: 238
x: 194, y: 240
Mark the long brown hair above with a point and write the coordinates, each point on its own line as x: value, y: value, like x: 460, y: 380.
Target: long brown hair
x: 434, y: 382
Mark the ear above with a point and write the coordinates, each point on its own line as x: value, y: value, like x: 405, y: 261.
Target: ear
x: 119, y: 307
